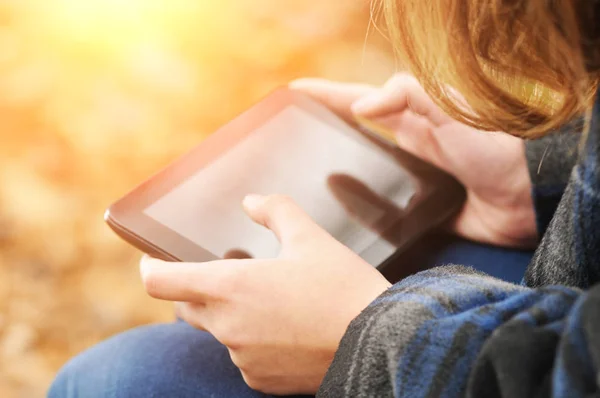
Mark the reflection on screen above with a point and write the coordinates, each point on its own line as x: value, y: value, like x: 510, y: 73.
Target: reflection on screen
x: 293, y: 154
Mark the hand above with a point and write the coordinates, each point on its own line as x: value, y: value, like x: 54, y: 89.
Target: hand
x: 281, y: 319
x: 492, y: 166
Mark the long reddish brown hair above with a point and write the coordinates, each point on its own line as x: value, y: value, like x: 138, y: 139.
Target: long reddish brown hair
x: 523, y: 66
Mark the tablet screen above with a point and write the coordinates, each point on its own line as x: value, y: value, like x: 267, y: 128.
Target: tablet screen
x: 294, y: 153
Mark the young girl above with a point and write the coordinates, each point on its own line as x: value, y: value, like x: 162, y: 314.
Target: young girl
x: 317, y: 319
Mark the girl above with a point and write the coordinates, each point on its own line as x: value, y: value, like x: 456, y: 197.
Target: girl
x: 317, y: 319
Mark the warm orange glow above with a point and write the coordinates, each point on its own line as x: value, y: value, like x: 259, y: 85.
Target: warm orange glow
x: 113, y: 25
x: 91, y: 15
x: 95, y: 95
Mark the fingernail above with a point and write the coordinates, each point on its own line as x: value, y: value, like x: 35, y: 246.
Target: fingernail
x: 253, y: 201
x: 367, y: 104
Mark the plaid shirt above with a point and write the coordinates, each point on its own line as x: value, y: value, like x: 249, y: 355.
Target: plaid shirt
x: 453, y: 332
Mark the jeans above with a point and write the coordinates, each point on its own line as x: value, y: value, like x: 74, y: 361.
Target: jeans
x: 177, y: 361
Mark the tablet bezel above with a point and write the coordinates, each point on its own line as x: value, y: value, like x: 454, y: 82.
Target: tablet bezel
x: 439, y: 197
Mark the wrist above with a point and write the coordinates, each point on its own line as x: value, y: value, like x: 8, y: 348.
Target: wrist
x: 512, y: 225
x: 501, y: 212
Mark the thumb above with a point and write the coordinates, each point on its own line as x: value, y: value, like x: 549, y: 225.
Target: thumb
x: 400, y: 93
x: 283, y: 216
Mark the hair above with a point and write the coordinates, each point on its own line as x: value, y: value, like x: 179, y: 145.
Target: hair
x: 522, y: 66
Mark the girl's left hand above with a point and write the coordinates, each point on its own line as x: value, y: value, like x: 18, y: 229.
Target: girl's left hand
x: 281, y: 319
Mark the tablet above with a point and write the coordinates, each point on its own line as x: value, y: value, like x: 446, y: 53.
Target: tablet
x: 371, y: 196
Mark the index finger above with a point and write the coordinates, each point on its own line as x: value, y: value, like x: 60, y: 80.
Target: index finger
x: 186, y: 282
x: 400, y: 93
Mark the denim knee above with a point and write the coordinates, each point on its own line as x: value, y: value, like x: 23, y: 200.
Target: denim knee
x: 172, y: 360
x: 112, y: 369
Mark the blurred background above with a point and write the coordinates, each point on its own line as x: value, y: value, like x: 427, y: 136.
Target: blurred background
x: 95, y: 96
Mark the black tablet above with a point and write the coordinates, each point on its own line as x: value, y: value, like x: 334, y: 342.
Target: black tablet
x: 371, y: 196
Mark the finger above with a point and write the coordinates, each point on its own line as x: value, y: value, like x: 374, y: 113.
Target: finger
x: 281, y: 215
x: 194, y: 314
x: 402, y: 92
x: 187, y: 282
x: 415, y: 135
x: 338, y: 97
x: 177, y: 308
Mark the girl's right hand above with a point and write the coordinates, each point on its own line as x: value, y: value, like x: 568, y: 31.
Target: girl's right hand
x: 492, y: 166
